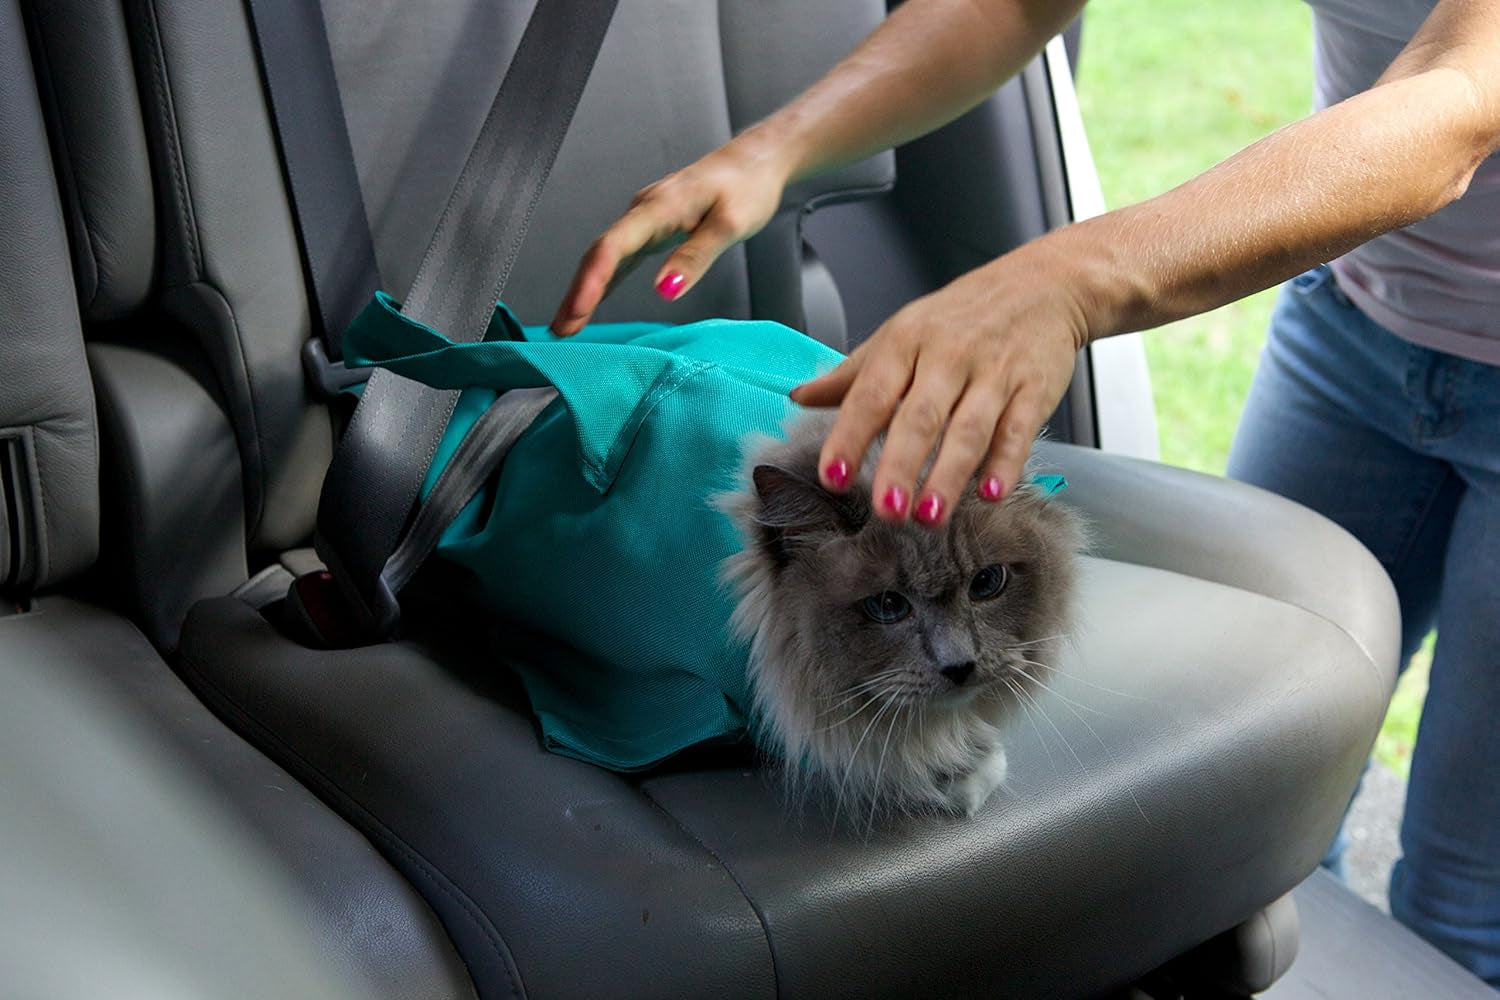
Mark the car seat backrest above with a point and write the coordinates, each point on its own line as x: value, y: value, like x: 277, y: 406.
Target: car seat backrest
x: 49, y: 484
x: 673, y: 80
x: 182, y: 234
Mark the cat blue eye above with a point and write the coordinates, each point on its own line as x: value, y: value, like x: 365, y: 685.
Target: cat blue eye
x: 886, y: 608
x: 988, y: 583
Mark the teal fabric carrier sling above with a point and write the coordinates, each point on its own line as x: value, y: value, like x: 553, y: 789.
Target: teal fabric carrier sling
x: 598, y: 538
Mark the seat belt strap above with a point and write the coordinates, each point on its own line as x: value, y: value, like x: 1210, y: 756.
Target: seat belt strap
x: 478, y: 457
x: 381, y: 462
x: 338, y: 252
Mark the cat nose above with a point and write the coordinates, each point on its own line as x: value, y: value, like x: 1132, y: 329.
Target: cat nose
x: 957, y: 672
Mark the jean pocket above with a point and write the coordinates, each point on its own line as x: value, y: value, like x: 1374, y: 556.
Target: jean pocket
x: 1311, y: 280
x: 1321, y: 279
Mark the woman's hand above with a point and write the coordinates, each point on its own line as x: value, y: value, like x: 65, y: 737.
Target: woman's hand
x: 975, y: 367
x: 727, y: 196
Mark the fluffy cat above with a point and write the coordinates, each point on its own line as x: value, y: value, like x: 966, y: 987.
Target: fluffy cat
x: 883, y: 657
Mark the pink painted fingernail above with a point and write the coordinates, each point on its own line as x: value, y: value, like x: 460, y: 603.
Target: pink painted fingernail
x: 670, y: 286
x: 895, y: 501
x: 992, y: 489
x: 930, y: 509
x: 837, y: 473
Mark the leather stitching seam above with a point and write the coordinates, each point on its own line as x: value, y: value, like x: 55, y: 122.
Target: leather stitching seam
x: 161, y: 85
x: 749, y: 899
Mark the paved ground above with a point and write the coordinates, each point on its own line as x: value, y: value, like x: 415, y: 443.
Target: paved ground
x: 1374, y: 822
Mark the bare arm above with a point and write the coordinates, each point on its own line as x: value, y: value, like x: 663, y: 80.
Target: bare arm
x: 1307, y: 193
x: 929, y: 62
x: 984, y: 360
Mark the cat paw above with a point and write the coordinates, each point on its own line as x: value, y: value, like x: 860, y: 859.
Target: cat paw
x: 967, y: 792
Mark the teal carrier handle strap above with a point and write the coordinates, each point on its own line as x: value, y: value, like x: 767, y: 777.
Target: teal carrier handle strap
x: 381, y: 462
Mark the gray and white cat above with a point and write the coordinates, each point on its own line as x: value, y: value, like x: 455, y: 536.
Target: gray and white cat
x: 884, y: 657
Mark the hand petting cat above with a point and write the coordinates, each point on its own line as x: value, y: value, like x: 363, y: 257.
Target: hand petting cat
x: 979, y: 364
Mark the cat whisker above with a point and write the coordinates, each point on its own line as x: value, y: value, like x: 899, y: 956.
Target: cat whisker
x: 855, y: 697
x: 1048, y: 719
x: 895, y: 691
x: 1037, y: 642
x: 854, y: 714
x: 844, y: 701
x: 872, y: 680
x: 1079, y: 680
x: 1020, y: 700
x: 854, y: 758
x: 854, y: 691
x: 1024, y: 694
x: 1054, y: 692
x: 880, y: 767
x: 1069, y: 706
x: 906, y: 733
x: 1102, y: 745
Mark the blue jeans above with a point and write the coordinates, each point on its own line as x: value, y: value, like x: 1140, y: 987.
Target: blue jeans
x: 1401, y: 445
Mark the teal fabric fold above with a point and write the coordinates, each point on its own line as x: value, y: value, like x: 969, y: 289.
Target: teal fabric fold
x: 606, y: 412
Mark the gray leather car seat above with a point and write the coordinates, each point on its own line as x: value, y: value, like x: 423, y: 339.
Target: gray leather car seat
x: 1195, y: 754
x: 134, y: 770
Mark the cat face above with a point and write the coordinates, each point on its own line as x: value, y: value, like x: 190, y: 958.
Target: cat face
x: 904, y: 613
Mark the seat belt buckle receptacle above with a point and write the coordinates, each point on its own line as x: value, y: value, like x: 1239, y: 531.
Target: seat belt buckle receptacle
x: 334, y: 615
x: 328, y: 376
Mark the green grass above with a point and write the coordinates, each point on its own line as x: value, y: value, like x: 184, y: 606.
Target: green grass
x: 1168, y: 88
x: 1399, y: 732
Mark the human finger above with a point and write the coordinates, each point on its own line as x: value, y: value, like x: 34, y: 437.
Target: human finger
x: 880, y: 382
x: 829, y: 388
x: 913, y: 434
x: 1014, y: 436
x: 640, y: 230
x: 719, y: 229
x: 965, y: 444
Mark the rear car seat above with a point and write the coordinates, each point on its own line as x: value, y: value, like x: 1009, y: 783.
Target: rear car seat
x: 59, y: 646
x: 1219, y: 700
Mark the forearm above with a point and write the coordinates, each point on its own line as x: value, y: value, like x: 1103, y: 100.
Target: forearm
x: 928, y: 63
x: 1301, y: 196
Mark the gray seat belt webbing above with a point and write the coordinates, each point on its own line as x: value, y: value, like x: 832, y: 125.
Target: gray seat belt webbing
x: 297, y: 65
x: 477, y: 457
x: 380, y: 463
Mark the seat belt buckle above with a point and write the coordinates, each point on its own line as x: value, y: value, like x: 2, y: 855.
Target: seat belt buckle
x: 329, y: 377
x: 324, y: 618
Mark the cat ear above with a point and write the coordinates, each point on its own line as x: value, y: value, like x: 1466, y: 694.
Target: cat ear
x: 792, y: 504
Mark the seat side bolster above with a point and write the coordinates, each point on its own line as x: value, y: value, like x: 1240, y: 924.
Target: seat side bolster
x: 1231, y: 533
